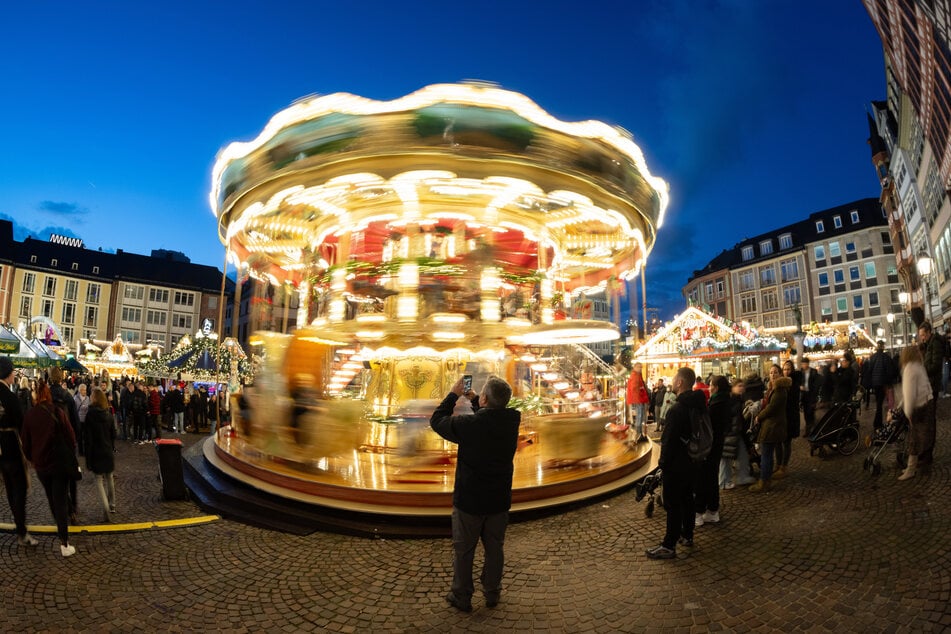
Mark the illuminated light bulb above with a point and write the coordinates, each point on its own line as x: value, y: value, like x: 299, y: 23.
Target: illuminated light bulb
x: 550, y: 376
x: 443, y: 335
x: 409, y: 275
x: 371, y: 319
x: 528, y: 358
x: 346, y: 351
x: 370, y: 334
x: 539, y: 367
x: 561, y: 385
x: 407, y: 308
x: 572, y: 395
x: 337, y: 310
x: 448, y: 318
x: 490, y: 310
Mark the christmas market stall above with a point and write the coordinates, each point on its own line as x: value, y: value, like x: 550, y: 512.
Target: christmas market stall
x: 709, y: 344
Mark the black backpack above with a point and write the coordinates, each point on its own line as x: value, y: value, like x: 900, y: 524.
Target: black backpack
x: 700, y: 441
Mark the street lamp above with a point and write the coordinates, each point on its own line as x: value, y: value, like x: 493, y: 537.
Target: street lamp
x: 904, y: 297
x: 890, y: 318
x: 924, y: 270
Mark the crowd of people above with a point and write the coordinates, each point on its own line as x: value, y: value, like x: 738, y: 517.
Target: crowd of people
x: 51, y: 420
x: 755, y: 422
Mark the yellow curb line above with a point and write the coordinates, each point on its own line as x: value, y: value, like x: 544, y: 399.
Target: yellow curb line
x: 119, y: 528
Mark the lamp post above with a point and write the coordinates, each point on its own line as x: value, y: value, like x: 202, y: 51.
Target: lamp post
x: 903, y: 298
x: 890, y: 318
x: 924, y: 270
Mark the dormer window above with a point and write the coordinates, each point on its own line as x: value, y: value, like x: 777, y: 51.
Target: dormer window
x: 854, y: 216
x: 820, y: 228
x: 54, y: 262
x: 747, y: 253
x: 837, y: 222
x: 75, y: 266
x: 765, y: 247
x: 32, y: 259
x: 95, y: 270
x: 785, y: 241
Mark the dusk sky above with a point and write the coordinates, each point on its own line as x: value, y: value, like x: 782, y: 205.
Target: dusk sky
x: 752, y: 110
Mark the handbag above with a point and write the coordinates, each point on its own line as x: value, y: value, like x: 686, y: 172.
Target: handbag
x: 63, y: 452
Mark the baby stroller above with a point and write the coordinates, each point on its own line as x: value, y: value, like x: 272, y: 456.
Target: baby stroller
x: 650, y: 486
x: 892, y: 433
x: 838, y: 429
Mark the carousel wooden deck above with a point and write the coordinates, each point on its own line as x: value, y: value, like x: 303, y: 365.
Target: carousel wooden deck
x: 387, y: 483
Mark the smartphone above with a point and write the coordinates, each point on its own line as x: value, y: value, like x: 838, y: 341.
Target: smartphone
x: 466, y: 382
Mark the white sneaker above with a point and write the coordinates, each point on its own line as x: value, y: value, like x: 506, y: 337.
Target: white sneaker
x: 711, y: 517
x: 729, y: 485
x: 698, y: 520
x: 67, y: 550
x: 27, y: 540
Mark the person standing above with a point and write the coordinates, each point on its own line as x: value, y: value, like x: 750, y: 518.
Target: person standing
x: 917, y: 403
x: 64, y: 401
x: 784, y: 449
x: 140, y: 412
x: 482, y: 493
x: 772, y: 422
x: 677, y: 469
x: 707, y: 489
x: 881, y: 373
x: 657, y: 399
x: 47, y: 440
x: 932, y: 354
x: 125, y: 410
x: 25, y: 394
x: 155, y: 413
x: 81, y: 399
x: 734, y: 442
x: 12, y: 462
x: 637, y: 400
x: 809, y: 393
x: 100, y: 429
x: 176, y: 405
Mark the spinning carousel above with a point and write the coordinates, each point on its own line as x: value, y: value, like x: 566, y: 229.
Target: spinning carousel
x: 454, y: 230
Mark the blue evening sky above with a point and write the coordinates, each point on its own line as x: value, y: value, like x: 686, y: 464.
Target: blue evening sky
x: 752, y: 110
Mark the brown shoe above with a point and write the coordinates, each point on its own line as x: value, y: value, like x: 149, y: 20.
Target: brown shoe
x: 760, y: 486
x: 780, y: 473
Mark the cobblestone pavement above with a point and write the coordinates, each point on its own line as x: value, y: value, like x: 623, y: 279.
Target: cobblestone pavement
x: 830, y: 548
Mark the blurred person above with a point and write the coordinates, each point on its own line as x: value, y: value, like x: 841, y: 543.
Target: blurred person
x: 48, y: 440
x: 917, y: 401
x: 657, y: 399
x: 809, y: 393
x: 706, y: 487
x: 201, y: 409
x: 64, y: 400
x: 669, y: 399
x: 734, y: 443
x: 678, y: 471
x: 175, y: 402
x: 772, y: 425
x: 637, y: 400
x: 24, y: 394
x: 827, y: 384
x: 100, y: 430
x: 784, y: 449
x: 845, y: 382
x: 12, y: 460
x: 154, y: 423
x: 879, y: 372
x: 700, y: 386
x: 932, y: 355
x: 125, y: 409
x: 482, y: 494
x: 139, y: 410
x: 82, y: 408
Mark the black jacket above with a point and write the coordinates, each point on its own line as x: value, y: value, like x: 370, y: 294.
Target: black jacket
x: 487, y: 441
x: 11, y: 418
x: 175, y: 401
x: 100, y: 432
x: 673, y: 442
x: 845, y: 381
x: 721, y: 418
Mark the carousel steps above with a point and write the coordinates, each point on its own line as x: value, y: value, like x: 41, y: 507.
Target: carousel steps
x: 216, y: 492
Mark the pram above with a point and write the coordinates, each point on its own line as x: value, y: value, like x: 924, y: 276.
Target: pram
x: 650, y: 487
x: 891, y: 433
x: 838, y: 429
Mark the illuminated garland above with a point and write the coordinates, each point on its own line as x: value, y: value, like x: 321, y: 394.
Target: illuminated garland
x: 159, y: 367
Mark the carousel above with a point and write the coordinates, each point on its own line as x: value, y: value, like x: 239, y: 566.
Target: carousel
x: 444, y: 233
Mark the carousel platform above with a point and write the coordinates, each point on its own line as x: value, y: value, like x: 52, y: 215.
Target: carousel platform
x: 377, y: 494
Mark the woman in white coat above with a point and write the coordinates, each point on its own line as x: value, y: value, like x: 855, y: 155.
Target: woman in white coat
x: 916, y: 397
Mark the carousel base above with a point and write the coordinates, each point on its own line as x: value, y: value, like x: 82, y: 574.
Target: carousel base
x: 383, y: 495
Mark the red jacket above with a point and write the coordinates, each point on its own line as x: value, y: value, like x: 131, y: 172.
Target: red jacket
x: 636, y: 392
x: 38, y: 435
x: 155, y: 402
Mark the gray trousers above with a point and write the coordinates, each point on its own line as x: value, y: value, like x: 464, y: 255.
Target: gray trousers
x: 467, y: 530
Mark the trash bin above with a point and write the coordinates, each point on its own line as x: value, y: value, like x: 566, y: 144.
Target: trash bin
x: 170, y: 468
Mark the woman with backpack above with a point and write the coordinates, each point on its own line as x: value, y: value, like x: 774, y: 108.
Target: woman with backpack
x: 772, y: 425
x: 100, y: 429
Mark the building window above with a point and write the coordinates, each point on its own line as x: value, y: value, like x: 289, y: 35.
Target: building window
x: 47, y: 310
x: 131, y: 336
x: 837, y: 222
x: 820, y: 228
x: 820, y: 252
x: 857, y: 302
x: 155, y: 337
x: 75, y: 266
x: 719, y: 290
x: 32, y: 259
x: 181, y: 321
x: 849, y: 247
x: 789, y: 270
x: 49, y: 286
x: 854, y: 275
x: 131, y: 314
x: 184, y: 299
x: 92, y: 294
x: 69, y: 313
x: 26, y: 307
x: 156, y: 318
x: 746, y: 281
x: 785, y: 241
x: 841, y: 304
x: 769, y: 301
x: 213, y: 302
x: 886, y: 239
x: 158, y: 296
x: 54, y: 263
x: 72, y: 290
x: 823, y: 279
x: 834, y: 250
x: 838, y: 276
x: 748, y: 304
x: 29, y: 281
x: 708, y: 290
x: 89, y: 333
x: 854, y: 215
x: 767, y: 276
x: 826, y: 308
x: 873, y: 298
x: 792, y: 296
x: 95, y: 270
x: 134, y: 292
x: 92, y: 316
x: 765, y: 247
x: 67, y: 336
x: 869, y: 270
x: 747, y: 253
